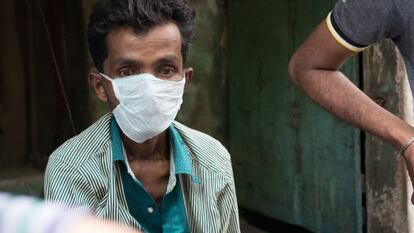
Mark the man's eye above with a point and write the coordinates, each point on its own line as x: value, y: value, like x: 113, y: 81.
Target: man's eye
x: 124, y: 73
x: 168, y: 71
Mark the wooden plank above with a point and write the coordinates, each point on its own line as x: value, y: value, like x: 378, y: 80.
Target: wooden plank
x: 13, y: 112
x: 292, y: 160
x: 75, y: 68
x: 45, y: 102
x: 384, y: 73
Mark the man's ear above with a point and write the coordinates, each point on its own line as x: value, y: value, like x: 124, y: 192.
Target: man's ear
x: 97, y: 84
x: 188, y: 72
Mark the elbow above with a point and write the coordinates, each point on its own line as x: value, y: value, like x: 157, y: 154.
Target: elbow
x: 293, y: 70
x: 299, y: 69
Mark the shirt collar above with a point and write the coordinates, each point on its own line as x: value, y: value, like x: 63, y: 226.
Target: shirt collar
x: 182, y: 161
x: 117, y: 149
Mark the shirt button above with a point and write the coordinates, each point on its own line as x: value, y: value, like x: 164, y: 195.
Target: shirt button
x: 150, y: 210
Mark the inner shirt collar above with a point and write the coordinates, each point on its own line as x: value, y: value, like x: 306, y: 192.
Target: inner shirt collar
x: 180, y: 159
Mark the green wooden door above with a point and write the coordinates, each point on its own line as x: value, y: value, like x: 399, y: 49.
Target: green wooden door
x: 292, y: 160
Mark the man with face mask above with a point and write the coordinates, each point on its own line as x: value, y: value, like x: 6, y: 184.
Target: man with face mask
x: 136, y: 165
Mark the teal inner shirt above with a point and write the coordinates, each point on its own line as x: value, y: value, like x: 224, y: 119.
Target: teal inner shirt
x: 171, y: 217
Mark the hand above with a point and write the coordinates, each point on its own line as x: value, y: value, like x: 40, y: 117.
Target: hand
x: 409, y: 161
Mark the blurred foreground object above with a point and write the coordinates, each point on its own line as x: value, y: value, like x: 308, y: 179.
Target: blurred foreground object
x: 29, y: 215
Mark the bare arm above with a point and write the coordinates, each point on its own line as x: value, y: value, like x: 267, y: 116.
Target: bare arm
x: 314, y: 69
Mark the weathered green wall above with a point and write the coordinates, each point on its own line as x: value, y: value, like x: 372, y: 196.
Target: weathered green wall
x: 205, y: 102
x: 205, y: 99
x: 292, y: 161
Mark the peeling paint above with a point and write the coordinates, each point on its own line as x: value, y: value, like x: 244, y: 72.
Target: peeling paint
x: 406, y: 108
x: 388, y: 198
x: 386, y: 187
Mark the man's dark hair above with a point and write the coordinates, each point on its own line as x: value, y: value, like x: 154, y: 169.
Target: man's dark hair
x: 141, y: 16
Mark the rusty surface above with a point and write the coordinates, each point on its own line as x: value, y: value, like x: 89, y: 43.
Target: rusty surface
x: 385, y: 176
x: 205, y: 104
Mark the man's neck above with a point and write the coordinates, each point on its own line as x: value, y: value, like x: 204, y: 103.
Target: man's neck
x: 156, y: 148
x: 150, y: 163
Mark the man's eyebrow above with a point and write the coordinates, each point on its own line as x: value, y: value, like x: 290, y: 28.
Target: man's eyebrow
x: 127, y: 61
x: 168, y: 59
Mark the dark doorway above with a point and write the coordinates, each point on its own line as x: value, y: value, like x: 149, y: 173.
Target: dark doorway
x: 37, y: 98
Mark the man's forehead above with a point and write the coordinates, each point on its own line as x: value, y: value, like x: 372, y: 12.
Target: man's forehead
x: 162, y: 34
x: 129, y: 59
x: 161, y: 41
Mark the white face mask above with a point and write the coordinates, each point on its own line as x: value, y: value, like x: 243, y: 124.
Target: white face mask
x: 147, y: 105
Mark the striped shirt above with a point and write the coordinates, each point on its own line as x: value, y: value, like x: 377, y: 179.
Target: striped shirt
x: 170, y: 216
x: 81, y: 172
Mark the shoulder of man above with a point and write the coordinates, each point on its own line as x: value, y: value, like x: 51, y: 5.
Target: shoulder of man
x: 89, y: 143
x: 356, y: 24
x: 206, y: 150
